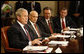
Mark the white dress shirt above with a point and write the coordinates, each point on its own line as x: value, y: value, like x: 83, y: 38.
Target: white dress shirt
x: 47, y: 21
x: 64, y: 23
x: 61, y: 23
x: 22, y: 26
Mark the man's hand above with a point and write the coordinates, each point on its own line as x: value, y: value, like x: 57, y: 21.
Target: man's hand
x: 36, y: 41
x: 66, y: 29
x: 46, y: 40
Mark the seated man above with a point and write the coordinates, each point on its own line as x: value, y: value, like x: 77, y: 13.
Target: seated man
x: 19, y: 35
x: 35, y: 28
x: 63, y: 22
x: 45, y: 22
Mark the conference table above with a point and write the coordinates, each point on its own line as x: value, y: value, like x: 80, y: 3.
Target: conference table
x: 75, y: 45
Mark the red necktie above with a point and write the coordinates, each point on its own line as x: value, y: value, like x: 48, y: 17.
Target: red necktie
x: 27, y: 33
x: 50, y: 27
x: 37, y: 30
x: 63, y: 25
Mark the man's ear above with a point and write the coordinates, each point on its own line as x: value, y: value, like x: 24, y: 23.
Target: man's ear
x: 18, y: 17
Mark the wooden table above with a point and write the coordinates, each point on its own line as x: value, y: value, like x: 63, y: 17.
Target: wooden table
x: 74, y: 46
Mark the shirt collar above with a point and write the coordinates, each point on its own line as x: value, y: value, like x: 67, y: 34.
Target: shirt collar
x: 20, y: 24
x: 31, y: 22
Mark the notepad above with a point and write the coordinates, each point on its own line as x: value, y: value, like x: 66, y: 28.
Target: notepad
x: 36, y: 48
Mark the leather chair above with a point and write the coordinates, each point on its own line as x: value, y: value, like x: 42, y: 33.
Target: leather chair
x: 5, y: 41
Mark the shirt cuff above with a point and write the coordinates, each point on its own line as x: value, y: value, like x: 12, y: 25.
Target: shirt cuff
x: 69, y: 28
x: 61, y: 31
x: 30, y: 43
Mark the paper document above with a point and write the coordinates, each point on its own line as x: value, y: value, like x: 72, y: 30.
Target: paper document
x: 58, y: 42
x: 49, y: 50
x: 35, y: 48
x: 65, y: 36
x: 74, y: 29
x: 69, y: 32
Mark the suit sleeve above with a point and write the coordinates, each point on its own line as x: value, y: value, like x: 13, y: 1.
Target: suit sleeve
x: 71, y: 23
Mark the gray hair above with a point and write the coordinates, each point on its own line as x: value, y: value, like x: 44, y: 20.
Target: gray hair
x: 19, y: 11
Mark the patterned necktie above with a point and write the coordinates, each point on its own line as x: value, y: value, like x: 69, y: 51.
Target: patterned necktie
x: 63, y: 25
x: 37, y: 30
x: 50, y: 27
x: 27, y: 33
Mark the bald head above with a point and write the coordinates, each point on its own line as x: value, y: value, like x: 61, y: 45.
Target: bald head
x: 33, y: 13
x: 33, y: 16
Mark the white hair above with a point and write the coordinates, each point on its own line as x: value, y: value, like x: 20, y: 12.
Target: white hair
x: 19, y: 11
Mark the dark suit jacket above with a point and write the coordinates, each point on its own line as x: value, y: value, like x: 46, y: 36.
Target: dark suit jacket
x: 44, y: 27
x: 37, y: 7
x: 57, y: 23
x: 78, y: 21
x: 72, y: 8
x: 17, y: 37
x: 21, y: 5
x: 35, y: 34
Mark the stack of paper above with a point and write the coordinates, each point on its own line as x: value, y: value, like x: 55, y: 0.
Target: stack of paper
x: 64, y: 36
x: 35, y: 48
x: 47, y: 51
x: 64, y: 43
x: 69, y: 32
x: 75, y: 29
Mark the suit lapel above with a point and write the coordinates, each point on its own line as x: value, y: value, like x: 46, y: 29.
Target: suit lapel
x: 59, y: 23
x: 21, y: 30
x: 46, y: 25
x: 39, y: 29
x: 32, y: 28
x: 66, y: 19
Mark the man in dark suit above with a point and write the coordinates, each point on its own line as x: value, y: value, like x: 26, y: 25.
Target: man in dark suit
x: 76, y: 12
x: 74, y: 7
x: 63, y: 22
x: 20, y: 34
x: 33, y: 16
x: 34, y: 6
x: 21, y: 4
x: 45, y: 22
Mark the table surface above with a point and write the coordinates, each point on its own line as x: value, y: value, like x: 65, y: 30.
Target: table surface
x: 74, y: 46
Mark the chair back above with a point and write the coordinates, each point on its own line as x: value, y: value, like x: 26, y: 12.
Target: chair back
x: 4, y: 36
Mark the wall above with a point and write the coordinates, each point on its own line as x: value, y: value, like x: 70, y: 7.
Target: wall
x: 51, y: 4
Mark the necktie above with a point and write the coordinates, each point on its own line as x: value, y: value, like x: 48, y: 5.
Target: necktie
x: 37, y: 30
x: 50, y: 27
x: 27, y: 33
x: 63, y: 25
